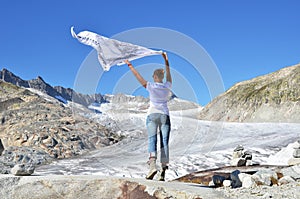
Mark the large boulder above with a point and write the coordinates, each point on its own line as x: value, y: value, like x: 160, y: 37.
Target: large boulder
x: 22, y: 169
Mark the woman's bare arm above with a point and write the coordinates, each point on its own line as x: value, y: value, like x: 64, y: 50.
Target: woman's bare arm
x: 168, y: 72
x: 136, y: 74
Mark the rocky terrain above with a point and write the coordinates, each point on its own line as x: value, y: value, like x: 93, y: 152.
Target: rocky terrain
x: 36, y: 130
x: 37, y: 126
x: 106, y: 187
x: 273, y: 97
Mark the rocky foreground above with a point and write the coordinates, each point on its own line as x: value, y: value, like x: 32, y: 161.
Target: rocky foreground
x: 82, y: 187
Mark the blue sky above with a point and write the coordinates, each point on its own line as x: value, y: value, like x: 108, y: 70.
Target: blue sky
x: 244, y: 39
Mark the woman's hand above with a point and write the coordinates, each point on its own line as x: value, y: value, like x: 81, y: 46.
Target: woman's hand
x: 165, y: 56
x: 127, y: 62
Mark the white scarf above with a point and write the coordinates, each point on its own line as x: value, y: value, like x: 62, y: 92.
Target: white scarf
x: 110, y: 51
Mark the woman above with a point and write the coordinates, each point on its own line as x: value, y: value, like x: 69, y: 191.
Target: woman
x: 158, y: 116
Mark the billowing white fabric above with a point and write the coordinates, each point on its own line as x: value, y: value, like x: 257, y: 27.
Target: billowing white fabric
x: 110, y: 51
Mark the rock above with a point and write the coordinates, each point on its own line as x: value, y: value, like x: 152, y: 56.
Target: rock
x: 247, y: 180
x: 286, y: 180
x: 93, y: 186
x: 241, y: 162
x: 293, y: 171
x: 218, y: 180
x: 265, y: 177
x: 241, y: 158
x: 247, y: 155
x: 211, y: 184
x: 296, y: 153
x: 238, y: 162
x: 23, y: 155
x: 22, y: 169
x: 294, y: 161
x: 227, y: 183
x: 4, y: 169
x: 238, y: 148
x: 238, y: 152
x: 248, y: 162
x: 1, y: 147
x: 236, y: 182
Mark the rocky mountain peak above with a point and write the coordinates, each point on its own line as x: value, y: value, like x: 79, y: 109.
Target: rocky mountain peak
x: 40, y: 79
x: 57, y: 92
x: 7, y: 76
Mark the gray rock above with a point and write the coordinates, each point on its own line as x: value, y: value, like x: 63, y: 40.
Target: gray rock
x: 265, y: 177
x: 238, y: 162
x: 241, y: 158
x: 239, y: 148
x: 4, y: 169
x: 296, y: 153
x: 22, y: 169
x: 218, y: 180
x: 293, y: 171
x: 247, y: 155
x: 286, y: 180
x: 236, y: 182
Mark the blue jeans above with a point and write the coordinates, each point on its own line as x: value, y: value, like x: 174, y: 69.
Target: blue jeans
x: 161, y: 122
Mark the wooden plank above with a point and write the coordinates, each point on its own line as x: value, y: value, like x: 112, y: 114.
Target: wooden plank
x: 205, y: 176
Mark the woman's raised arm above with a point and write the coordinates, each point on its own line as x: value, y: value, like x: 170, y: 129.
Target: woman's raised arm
x: 136, y: 74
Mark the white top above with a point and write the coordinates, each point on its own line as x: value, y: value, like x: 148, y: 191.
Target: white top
x: 159, y: 96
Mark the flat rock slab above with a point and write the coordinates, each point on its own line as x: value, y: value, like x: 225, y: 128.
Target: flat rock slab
x: 84, y: 186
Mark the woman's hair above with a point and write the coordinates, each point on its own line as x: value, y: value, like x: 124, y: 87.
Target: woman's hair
x: 159, y: 73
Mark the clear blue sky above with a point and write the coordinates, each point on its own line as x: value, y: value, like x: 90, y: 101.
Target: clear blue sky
x: 244, y: 38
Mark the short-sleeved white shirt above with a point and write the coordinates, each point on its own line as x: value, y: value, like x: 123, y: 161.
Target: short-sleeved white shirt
x: 159, y: 96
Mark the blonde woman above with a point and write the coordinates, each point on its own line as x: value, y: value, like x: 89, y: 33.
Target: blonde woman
x: 158, y: 119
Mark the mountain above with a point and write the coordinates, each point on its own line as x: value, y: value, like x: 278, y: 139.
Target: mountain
x: 273, y: 97
x: 270, y: 98
x: 36, y: 128
x: 58, y: 92
x: 68, y: 94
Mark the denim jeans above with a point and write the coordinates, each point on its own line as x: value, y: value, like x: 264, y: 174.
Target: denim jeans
x: 159, y: 122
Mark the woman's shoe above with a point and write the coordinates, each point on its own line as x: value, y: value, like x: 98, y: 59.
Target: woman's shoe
x: 163, y: 173
x: 153, y: 169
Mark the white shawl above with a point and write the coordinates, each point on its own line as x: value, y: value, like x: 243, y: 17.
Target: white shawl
x: 110, y: 51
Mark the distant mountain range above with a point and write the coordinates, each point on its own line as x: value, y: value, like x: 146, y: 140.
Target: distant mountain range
x: 273, y: 97
x: 58, y: 92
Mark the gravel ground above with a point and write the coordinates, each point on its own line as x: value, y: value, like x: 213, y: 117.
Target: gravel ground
x: 287, y: 191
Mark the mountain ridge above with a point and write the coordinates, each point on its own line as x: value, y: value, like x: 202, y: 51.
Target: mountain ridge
x: 274, y: 97
x: 57, y: 92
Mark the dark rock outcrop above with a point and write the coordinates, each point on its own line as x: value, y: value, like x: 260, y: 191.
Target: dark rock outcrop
x: 8, y: 76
